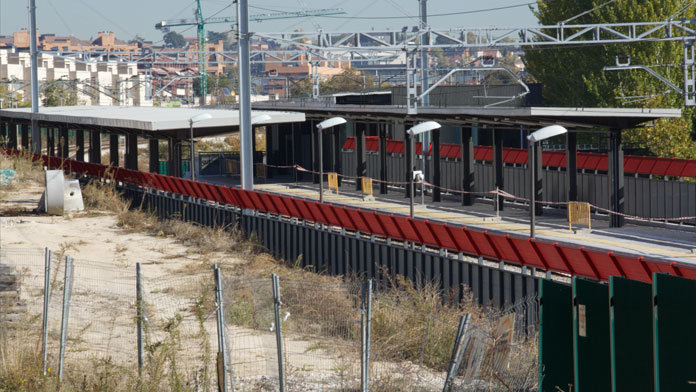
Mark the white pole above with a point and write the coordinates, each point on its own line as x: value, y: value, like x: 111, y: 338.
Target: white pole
x: 245, y: 129
x: 193, y: 153
x: 35, y: 131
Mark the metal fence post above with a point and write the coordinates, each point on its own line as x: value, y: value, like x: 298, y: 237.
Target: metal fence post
x: 222, y: 349
x: 457, y: 353
x: 139, y: 307
x: 67, y: 294
x: 279, y: 332
x: 366, y: 324
x: 46, y: 299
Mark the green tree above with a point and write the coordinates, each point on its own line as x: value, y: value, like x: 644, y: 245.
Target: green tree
x: 136, y: 39
x: 574, y: 76
x: 59, y: 95
x: 348, y: 80
x: 174, y: 40
x: 225, y: 37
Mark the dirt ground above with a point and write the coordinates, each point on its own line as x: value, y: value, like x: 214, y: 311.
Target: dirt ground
x: 174, y: 274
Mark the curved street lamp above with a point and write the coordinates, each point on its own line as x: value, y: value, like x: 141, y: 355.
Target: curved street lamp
x: 415, y: 131
x: 537, y: 136
x: 326, y: 124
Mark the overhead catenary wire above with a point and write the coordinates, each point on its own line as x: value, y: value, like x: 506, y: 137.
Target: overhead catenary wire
x: 588, y: 11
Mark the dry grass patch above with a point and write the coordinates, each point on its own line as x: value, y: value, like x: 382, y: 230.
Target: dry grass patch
x: 29, y: 171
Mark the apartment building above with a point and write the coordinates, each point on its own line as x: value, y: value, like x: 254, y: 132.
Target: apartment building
x: 113, y: 83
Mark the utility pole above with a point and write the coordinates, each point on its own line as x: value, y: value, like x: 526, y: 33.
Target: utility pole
x: 245, y: 130
x: 35, y: 131
x: 202, y: 58
x: 423, y: 13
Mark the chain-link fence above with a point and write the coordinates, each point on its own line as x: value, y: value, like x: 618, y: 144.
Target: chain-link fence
x: 203, y: 330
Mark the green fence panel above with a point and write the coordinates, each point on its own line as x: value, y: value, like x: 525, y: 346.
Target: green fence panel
x: 674, y: 318
x: 555, y: 336
x: 591, y: 346
x: 631, y: 335
x: 163, y: 167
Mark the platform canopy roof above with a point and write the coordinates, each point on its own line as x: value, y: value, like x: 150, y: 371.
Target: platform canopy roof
x: 151, y: 121
x: 497, y: 117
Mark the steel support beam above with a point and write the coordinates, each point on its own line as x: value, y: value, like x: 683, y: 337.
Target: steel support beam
x: 360, y: 156
x: 498, y: 165
x: 538, y: 180
x: 336, y: 134
x: 408, y: 152
x: 12, y: 135
x: 63, y: 144
x: 50, y: 142
x: 468, y: 177
x: 436, y: 165
x: 572, y: 166
x: 174, y: 164
x: 95, y: 146
x: 131, y: 152
x: 153, y: 147
x: 315, y: 151
x: 114, y: 150
x: 25, y: 136
x: 616, y: 179
x: 80, y: 144
x: 383, y: 158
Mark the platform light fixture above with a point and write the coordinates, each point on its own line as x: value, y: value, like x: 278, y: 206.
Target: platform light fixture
x: 192, y: 120
x: 537, y: 136
x: 415, y: 131
x: 326, y: 124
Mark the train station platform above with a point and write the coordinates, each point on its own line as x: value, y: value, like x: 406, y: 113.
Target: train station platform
x: 654, y: 240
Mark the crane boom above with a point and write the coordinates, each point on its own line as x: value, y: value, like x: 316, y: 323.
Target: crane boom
x: 252, y: 18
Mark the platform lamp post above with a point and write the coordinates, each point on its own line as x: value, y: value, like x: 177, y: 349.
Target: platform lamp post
x: 195, y: 119
x: 326, y: 124
x: 411, y: 133
x: 537, y: 136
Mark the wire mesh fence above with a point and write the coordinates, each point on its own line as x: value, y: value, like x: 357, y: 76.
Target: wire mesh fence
x: 199, y: 329
x: 321, y: 335
x: 251, y: 337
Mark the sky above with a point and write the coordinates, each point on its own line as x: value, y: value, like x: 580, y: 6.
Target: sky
x: 128, y: 18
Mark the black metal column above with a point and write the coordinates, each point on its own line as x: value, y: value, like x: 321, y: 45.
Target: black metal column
x: 80, y: 144
x: 63, y: 141
x: 383, y: 158
x: 50, y: 142
x: 435, y: 160
x: 336, y: 134
x: 408, y: 151
x: 4, y: 134
x: 24, y: 134
x: 174, y: 164
x: 314, y: 132
x: 95, y: 146
x: 468, y: 178
x: 616, y: 178
x: 539, y: 177
x: 498, y: 164
x: 12, y: 135
x: 360, y: 156
x: 572, y: 165
x: 153, y: 147
x: 131, y: 152
x: 113, y: 150
x: 31, y: 138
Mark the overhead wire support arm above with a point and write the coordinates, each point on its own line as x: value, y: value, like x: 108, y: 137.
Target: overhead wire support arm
x: 413, y: 103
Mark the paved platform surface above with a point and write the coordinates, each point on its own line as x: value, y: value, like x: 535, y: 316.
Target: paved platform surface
x: 655, y: 240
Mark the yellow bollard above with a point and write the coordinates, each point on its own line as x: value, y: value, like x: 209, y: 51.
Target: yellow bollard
x: 579, y: 213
